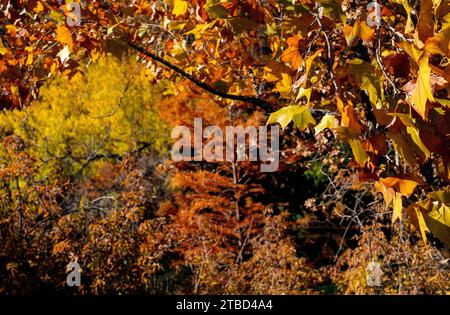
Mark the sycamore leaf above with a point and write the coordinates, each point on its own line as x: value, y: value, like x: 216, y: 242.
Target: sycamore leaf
x: 436, y: 214
x: 388, y: 193
x: 292, y: 54
x: 359, y: 30
x: 215, y: 10
x: 422, y: 224
x: 179, y: 7
x: 409, y: 27
x: 443, y: 102
x: 425, y: 24
x: 404, y: 186
x: 297, y: 113
x: 358, y: 152
x: 349, y: 119
x: 200, y: 28
x: 303, y: 118
x: 284, y: 87
x: 333, y: 9
x: 3, y: 49
x: 438, y: 222
x: 422, y: 93
x: 38, y: 8
x: 412, y: 50
x: 282, y: 116
x: 303, y: 80
x: 413, y: 131
x: 273, y: 71
x: 239, y: 24
x: 63, y: 36
x: 304, y: 92
x: 327, y: 121
x: 365, y: 75
x: 397, y: 207
x: 443, y: 196
x: 403, y: 148
x: 439, y: 44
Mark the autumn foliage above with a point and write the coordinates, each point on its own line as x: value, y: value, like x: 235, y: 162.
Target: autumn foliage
x: 89, y: 96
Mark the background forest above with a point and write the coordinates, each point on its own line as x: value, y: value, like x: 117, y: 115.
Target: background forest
x: 91, y: 90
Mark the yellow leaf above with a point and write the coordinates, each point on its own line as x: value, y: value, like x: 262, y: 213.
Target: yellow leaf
x: 3, y: 49
x: 439, y: 44
x: 397, y: 207
x: 180, y: 7
x: 414, y: 133
x: 38, y: 8
x: 409, y: 27
x: 422, y: 225
x: 299, y: 114
x: 284, y: 87
x: 358, y: 151
x: 303, y: 118
x: 328, y: 121
x: 304, y: 92
x: 358, y: 30
x: 438, y: 222
x: 64, y: 37
x: 29, y: 56
x: 414, y: 52
x: 422, y: 92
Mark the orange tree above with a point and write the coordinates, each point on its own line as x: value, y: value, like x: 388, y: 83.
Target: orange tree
x: 383, y: 89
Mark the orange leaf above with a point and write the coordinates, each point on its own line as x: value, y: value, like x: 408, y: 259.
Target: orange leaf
x: 64, y: 37
x: 404, y: 186
x: 292, y: 54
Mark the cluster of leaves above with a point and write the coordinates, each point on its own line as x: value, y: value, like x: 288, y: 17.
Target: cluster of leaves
x: 380, y: 87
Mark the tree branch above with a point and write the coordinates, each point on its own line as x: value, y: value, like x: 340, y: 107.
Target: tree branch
x: 266, y: 106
